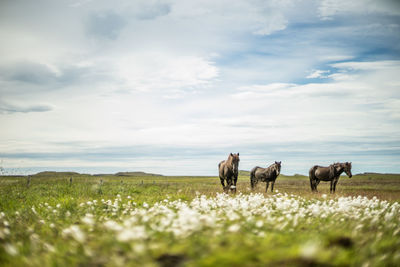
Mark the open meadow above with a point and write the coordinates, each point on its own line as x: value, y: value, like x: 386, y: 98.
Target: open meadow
x: 137, y: 219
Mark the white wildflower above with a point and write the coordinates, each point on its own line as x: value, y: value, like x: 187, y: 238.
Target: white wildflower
x: 75, y: 232
x: 234, y: 228
x: 309, y: 250
x: 259, y: 223
x: 112, y: 225
x: 10, y: 249
x: 88, y: 219
x: 133, y: 233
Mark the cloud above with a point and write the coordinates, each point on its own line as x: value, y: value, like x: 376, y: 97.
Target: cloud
x: 172, y: 74
x: 147, y: 10
x: 106, y: 25
x: 42, y: 76
x: 318, y: 74
x: 9, y: 108
x: 30, y: 72
x: 330, y: 8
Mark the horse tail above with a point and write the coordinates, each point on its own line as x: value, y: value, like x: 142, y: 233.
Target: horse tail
x: 312, y: 178
x: 253, y: 177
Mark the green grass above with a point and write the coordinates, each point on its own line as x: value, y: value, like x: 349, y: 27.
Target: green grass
x: 37, y: 236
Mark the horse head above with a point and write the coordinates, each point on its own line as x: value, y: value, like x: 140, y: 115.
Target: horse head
x: 343, y: 167
x: 347, y: 169
x: 277, y: 166
x: 235, y: 162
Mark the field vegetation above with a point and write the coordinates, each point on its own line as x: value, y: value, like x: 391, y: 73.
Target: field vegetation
x: 139, y: 219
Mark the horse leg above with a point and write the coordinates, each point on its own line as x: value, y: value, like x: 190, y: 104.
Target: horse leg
x: 312, y: 185
x: 222, y: 181
x: 272, y: 186
x: 331, y: 189
x: 334, y: 186
x: 316, y: 184
x: 252, y: 184
x: 229, y: 184
x: 234, y: 184
x: 266, y: 188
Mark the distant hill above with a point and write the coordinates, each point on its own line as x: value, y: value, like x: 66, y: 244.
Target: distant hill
x: 54, y: 173
x: 136, y: 174
x: 244, y: 173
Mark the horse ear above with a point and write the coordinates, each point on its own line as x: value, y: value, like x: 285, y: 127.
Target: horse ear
x: 231, y: 154
x: 238, y: 153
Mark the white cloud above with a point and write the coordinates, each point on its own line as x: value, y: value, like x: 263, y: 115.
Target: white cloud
x: 318, y: 74
x: 164, y: 73
x: 329, y: 8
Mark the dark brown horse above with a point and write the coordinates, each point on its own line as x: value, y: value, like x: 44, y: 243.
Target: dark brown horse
x: 229, y: 170
x: 331, y: 173
x: 265, y: 175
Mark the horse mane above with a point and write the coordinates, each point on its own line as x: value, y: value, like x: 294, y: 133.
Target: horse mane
x: 271, y: 168
x: 229, y: 160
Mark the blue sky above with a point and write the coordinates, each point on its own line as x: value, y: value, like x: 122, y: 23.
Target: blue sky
x: 174, y: 86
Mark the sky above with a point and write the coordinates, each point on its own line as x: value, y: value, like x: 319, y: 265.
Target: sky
x: 174, y: 86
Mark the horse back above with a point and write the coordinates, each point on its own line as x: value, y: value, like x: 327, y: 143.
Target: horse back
x: 322, y: 173
x: 253, y: 171
x: 221, y: 168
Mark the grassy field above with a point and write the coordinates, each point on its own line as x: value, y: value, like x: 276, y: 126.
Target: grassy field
x: 64, y: 219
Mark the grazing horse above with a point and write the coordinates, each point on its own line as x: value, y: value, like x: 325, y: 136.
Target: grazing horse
x: 228, y: 170
x: 331, y: 173
x: 265, y: 175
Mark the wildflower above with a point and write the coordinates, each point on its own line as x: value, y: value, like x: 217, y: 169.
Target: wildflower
x: 133, y: 233
x: 112, y: 225
x: 234, y: 228
x: 259, y: 223
x: 10, y: 249
x: 75, y: 232
x: 309, y: 250
x: 88, y: 219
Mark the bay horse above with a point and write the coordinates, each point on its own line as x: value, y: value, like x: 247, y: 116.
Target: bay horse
x: 330, y: 173
x: 265, y: 175
x: 229, y: 170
